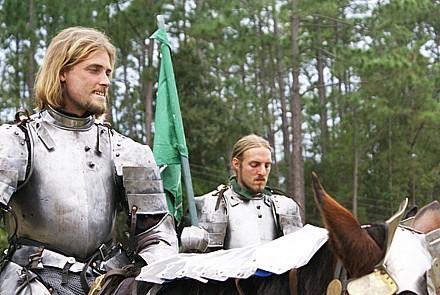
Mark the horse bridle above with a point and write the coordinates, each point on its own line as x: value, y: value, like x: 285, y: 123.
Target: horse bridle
x: 379, y: 278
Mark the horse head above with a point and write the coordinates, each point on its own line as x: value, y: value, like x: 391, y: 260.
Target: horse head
x: 362, y: 250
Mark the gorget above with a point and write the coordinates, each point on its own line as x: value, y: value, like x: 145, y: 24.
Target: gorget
x: 68, y: 201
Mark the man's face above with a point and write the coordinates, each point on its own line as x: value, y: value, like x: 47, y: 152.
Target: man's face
x: 86, y: 85
x: 253, y: 170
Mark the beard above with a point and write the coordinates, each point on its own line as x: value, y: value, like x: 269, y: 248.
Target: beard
x: 253, y: 189
x: 93, y: 106
x: 96, y: 108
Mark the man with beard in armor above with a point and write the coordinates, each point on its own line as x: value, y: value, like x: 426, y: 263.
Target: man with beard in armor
x: 64, y: 174
x: 245, y: 212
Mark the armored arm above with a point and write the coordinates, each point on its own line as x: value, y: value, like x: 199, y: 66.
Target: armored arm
x: 213, y: 220
x: 152, y: 230
x: 14, y: 156
x: 287, y: 213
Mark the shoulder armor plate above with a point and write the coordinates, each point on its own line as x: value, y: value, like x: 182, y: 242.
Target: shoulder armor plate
x: 140, y: 175
x: 13, y: 160
x: 213, y: 217
x: 288, y: 213
x: 128, y: 153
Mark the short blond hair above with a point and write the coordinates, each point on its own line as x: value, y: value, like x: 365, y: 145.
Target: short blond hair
x: 248, y: 142
x: 68, y: 48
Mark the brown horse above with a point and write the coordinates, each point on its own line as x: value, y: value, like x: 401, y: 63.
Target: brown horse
x: 359, y: 248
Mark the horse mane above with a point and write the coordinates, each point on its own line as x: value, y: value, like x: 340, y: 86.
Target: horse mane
x: 428, y: 218
x: 314, y: 277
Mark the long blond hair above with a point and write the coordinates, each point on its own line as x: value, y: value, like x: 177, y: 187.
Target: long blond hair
x: 69, y: 47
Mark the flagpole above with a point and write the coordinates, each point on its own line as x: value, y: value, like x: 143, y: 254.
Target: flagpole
x: 186, y: 173
x: 189, y: 191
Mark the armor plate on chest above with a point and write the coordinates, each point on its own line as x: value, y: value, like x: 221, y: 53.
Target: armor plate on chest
x: 250, y: 221
x: 69, y: 199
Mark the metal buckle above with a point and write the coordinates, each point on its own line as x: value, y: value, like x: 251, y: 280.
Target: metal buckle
x: 103, y: 250
x: 35, y: 260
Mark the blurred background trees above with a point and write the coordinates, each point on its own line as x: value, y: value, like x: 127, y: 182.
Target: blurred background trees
x: 349, y: 89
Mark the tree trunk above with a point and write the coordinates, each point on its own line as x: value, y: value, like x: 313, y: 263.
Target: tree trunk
x: 30, y: 74
x: 148, y: 94
x: 284, y: 110
x: 355, y: 172
x: 321, y: 90
x: 127, y: 102
x: 297, y: 171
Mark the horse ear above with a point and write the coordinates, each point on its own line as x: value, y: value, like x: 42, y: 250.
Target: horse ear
x: 428, y: 217
x: 351, y: 243
x: 333, y: 214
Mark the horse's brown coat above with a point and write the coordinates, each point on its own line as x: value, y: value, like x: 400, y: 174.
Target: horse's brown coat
x: 358, y: 251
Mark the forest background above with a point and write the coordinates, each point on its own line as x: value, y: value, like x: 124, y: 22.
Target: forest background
x: 349, y: 89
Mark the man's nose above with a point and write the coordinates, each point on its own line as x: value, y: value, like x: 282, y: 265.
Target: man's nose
x: 105, y: 80
x: 262, y: 170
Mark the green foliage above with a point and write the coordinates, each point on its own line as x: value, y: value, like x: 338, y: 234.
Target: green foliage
x: 381, y: 76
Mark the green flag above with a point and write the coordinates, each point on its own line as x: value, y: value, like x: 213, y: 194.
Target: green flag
x: 169, y: 137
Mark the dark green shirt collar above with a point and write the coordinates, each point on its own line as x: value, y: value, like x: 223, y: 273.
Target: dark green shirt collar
x: 244, y: 192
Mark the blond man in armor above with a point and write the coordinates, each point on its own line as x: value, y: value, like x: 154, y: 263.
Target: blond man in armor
x: 63, y: 175
x: 245, y: 212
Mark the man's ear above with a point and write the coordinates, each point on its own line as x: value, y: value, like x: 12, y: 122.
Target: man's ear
x: 235, y: 163
x: 63, y: 76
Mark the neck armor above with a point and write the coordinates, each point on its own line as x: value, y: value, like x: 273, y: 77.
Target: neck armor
x: 67, y: 122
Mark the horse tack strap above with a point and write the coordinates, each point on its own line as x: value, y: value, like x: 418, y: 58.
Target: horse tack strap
x: 97, y: 285
x: 339, y: 284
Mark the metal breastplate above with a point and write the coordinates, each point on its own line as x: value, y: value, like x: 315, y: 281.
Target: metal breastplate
x: 408, y: 261
x: 68, y: 202
x: 249, y: 221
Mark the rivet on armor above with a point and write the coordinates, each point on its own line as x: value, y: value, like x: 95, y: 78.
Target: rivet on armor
x: 91, y: 164
x: 258, y: 206
x: 117, y: 154
x: 259, y: 215
x: 102, y: 131
x: 87, y: 148
x: 118, y: 144
x: 16, y: 133
x: 22, y: 142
